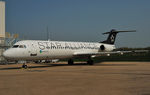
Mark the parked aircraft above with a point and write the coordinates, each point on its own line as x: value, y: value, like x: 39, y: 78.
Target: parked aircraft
x: 44, y: 50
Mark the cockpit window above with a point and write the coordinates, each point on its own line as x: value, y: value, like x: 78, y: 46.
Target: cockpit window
x: 20, y: 46
x: 15, y: 46
x: 25, y: 46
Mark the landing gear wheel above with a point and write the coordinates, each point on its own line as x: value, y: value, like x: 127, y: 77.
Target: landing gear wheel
x: 70, y: 62
x: 90, y: 62
x: 24, y: 66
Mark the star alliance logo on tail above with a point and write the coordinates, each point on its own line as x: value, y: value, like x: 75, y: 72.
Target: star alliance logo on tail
x: 112, y: 38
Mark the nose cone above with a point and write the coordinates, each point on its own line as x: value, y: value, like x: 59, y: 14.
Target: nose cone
x: 7, y: 54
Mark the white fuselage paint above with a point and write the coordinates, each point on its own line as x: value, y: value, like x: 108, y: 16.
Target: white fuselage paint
x: 43, y: 50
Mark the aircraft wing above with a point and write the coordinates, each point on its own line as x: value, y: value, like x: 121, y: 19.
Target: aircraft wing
x: 107, y: 53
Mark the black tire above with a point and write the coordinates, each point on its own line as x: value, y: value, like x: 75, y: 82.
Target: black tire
x: 70, y: 62
x: 36, y: 61
x: 90, y: 62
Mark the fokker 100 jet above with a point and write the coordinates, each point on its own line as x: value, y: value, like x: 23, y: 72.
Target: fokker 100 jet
x: 35, y: 50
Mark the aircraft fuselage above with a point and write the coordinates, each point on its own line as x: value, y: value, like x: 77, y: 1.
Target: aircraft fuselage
x: 44, y: 50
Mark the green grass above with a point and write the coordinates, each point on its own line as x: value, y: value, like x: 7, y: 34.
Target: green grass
x: 125, y: 57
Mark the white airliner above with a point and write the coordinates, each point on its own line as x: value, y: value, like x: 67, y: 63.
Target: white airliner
x: 44, y: 50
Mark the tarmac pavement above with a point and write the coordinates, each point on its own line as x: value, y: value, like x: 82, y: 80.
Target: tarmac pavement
x: 105, y: 78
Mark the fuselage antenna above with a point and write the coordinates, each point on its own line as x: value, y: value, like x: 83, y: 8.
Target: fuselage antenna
x: 48, y: 38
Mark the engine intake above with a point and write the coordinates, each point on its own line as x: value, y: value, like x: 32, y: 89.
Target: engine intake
x: 102, y: 47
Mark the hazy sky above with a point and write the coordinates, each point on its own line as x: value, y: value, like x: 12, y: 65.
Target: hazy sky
x: 80, y: 20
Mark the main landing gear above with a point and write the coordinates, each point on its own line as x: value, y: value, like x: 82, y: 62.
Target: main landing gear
x: 70, y: 62
x: 90, y: 61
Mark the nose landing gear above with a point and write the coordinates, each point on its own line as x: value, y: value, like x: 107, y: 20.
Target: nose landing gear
x: 24, y: 66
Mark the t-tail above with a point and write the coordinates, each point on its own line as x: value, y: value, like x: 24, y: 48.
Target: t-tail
x: 112, y: 36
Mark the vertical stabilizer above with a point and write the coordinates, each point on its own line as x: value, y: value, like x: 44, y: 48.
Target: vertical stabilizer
x: 112, y: 36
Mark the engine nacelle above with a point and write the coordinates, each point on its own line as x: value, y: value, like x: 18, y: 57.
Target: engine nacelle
x: 102, y: 47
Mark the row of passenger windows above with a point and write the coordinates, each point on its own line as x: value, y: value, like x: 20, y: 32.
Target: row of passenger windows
x: 24, y: 46
x: 19, y: 46
x: 71, y: 48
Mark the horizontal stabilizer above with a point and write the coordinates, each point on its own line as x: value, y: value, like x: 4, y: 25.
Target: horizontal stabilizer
x: 114, y: 31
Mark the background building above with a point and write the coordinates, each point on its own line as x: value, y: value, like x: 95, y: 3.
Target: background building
x: 2, y: 19
x: 2, y: 27
x: 6, y: 39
